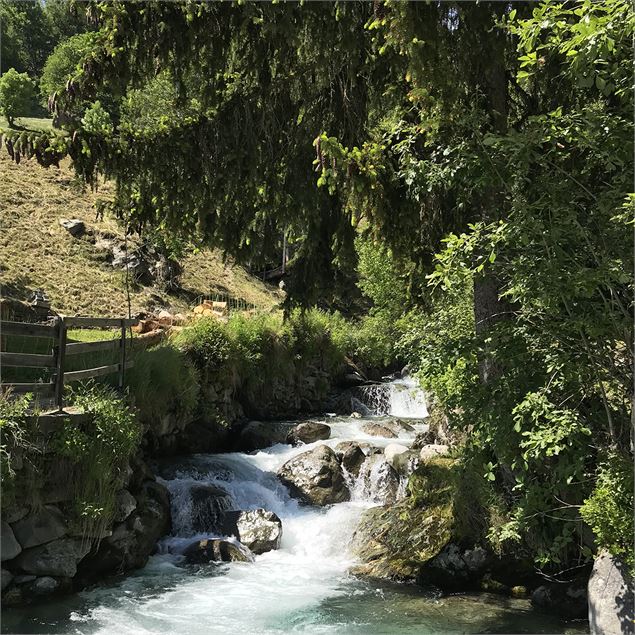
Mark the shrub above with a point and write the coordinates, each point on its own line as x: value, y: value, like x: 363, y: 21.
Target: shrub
x: 99, y: 452
x: 609, y: 509
x: 16, y: 94
x: 162, y: 381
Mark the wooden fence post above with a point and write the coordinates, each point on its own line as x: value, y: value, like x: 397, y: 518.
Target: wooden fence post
x: 122, y: 360
x: 60, y: 357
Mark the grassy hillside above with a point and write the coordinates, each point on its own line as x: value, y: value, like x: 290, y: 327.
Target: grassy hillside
x: 37, y: 253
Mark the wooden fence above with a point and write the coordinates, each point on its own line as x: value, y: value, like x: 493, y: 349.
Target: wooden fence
x: 61, y: 350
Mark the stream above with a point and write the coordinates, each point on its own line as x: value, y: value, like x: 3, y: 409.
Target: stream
x: 302, y: 587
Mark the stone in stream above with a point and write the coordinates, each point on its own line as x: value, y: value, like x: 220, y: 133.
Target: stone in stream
x: 378, y: 430
x: 259, y: 530
x: 9, y: 546
x: 308, y: 432
x: 257, y: 435
x: 398, y: 424
x: 216, y: 550
x: 208, y: 505
x: 43, y: 526
x: 352, y: 458
x: 315, y: 477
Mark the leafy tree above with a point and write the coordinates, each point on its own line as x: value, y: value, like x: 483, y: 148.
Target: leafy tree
x: 16, y: 93
x: 63, y: 63
x: 26, y: 36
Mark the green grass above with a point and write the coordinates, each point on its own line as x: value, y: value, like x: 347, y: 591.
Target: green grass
x: 30, y: 123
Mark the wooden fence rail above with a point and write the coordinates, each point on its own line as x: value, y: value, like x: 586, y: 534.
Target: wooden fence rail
x: 58, y: 333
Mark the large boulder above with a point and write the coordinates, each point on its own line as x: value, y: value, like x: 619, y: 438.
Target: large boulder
x: 610, y: 594
x: 74, y: 226
x: 378, y: 430
x: 315, y: 477
x: 57, y: 558
x: 9, y: 546
x: 209, y: 503
x: 259, y: 530
x: 396, y: 541
x: 308, y: 432
x: 216, y: 550
x: 43, y: 526
x: 257, y: 435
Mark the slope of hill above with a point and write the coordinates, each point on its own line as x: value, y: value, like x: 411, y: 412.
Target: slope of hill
x: 36, y: 252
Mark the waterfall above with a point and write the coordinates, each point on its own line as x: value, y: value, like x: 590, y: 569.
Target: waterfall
x: 400, y: 398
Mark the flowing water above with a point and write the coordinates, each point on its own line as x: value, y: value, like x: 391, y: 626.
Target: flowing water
x: 303, y: 587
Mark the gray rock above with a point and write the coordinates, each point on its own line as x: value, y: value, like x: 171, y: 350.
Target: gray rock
x: 352, y: 459
x: 610, y: 593
x: 315, y: 477
x: 41, y: 587
x: 257, y: 435
x: 378, y: 430
x: 216, y: 550
x: 5, y: 578
x: 43, y: 526
x: 57, y: 558
x: 73, y: 226
x: 308, y: 432
x: 14, y: 514
x: 259, y: 530
x: 399, y: 424
x: 23, y: 579
x: 125, y: 504
x: 9, y: 546
x: 392, y: 451
x: 432, y: 450
x: 208, y: 505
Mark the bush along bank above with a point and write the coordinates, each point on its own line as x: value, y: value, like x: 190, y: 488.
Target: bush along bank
x: 78, y: 500
x: 210, y: 376
x: 76, y: 496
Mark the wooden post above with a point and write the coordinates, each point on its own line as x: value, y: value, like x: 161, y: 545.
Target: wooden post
x: 122, y: 360
x: 60, y: 357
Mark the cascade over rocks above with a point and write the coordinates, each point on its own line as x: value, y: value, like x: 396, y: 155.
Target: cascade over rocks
x: 308, y: 432
x: 259, y: 530
x: 315, y: 477
x: 379, y: 480
x: 394, y: 542
x: 216, y: 550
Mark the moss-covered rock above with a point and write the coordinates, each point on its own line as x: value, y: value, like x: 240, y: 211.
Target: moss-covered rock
x: 395, y: 542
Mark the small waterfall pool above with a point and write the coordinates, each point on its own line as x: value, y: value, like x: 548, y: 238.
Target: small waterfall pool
x: 303, y: 587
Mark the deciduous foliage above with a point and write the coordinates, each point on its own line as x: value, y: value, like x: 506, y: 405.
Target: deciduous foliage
x: 16, y: 93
